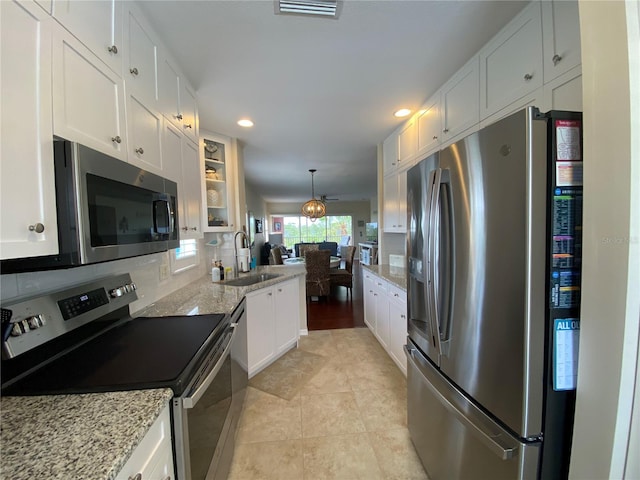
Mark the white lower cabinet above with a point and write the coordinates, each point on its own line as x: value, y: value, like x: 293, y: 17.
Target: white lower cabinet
x: 369, y: 299
x: 397, y: 326
x: 382, y: 311
x: 272, y: 323
x: 152, y: 459
x: 385, y: 313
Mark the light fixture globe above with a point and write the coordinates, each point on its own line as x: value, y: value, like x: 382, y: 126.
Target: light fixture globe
x: 313, y: 209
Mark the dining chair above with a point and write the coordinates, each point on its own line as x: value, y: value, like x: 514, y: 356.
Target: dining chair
x: 344, y: 276
x: 306, y: 248
x: 318, y: 282
x: 275, y: 256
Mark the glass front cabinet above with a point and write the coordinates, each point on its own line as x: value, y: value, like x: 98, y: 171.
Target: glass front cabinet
x: 218, y: 192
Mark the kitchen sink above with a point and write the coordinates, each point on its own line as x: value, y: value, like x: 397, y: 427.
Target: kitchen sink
x: 251, y: 279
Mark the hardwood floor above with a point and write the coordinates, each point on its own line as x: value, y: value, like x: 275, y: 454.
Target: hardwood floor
x: 338, y: 310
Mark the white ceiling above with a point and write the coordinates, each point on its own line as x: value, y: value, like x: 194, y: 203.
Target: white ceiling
x: 320, y: 91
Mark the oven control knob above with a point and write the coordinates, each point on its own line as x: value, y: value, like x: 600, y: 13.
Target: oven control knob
x: 19, y: 328
x: 116, y: 292
x: 36, y: 321
x: 133, y: 287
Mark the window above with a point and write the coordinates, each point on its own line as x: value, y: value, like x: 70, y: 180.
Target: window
x: 185, y: 256
x: 332, y: 228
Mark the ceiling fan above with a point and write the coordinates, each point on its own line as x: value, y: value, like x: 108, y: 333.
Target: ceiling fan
x: 325, y: 199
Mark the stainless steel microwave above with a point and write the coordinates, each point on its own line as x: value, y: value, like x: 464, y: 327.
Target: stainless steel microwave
x: 107, y: 210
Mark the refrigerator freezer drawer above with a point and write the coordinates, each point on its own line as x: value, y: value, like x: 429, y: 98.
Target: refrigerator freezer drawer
x: 453, y: 438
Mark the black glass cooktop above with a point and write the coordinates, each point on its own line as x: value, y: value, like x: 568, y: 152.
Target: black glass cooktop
x: 138, y: 354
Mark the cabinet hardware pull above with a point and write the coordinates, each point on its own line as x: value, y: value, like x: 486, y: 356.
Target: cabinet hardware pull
x: 116, y: 139
x: 194, y: 228
x: 134, y: 71
x: 528, y: 77
x: 184, y: 228
x: 137, y: 476
x: 179, y: 116
x: 270, y: 294
x: 139, y: 151
x: 188, y: 125
x: 113, y: 49
x: 446, y: 130
x: 38, y: 228
x: 435, y: 137
x: 403, y: 316
x: 556, y: 59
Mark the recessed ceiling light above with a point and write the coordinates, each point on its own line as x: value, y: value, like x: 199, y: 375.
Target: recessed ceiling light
x: 245, y: 122
x: 403, y: 112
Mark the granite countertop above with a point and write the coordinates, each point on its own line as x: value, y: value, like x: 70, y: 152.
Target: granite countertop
x: 393, y: 275
x: 89, y: 436
x: 203, y: 296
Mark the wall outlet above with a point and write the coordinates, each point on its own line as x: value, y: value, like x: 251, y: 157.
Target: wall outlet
x: 164, y: 272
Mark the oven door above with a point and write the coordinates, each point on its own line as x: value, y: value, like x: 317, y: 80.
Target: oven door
x: 202, y: 415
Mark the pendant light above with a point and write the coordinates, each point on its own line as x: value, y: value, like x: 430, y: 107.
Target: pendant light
x: 313, y: 208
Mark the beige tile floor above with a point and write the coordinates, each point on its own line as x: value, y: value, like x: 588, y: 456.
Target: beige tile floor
x: 348, y: 421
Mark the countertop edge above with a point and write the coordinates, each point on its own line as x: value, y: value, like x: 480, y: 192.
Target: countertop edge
x: 394, y: 275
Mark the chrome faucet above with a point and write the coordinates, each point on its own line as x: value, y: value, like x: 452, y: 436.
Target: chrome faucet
x: 245, y: 241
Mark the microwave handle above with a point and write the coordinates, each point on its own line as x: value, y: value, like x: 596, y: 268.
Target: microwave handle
x: 165, y: 212
x: 171, y: 216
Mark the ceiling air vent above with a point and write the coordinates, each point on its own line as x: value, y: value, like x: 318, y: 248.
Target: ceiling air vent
x: 318, y: 8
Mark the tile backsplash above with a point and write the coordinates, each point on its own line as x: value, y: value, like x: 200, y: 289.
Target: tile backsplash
x: 144, y: 270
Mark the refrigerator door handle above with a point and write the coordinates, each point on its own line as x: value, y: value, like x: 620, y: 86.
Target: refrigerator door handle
x: 432, y: 274
x: 432, y: 301
x: 498, y: 441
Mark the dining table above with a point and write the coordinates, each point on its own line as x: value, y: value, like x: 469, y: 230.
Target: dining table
x: 334, y: 262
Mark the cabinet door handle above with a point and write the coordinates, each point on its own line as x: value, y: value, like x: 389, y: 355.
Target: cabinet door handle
x: 270, y: 293
x: 528, y: 77
x: 435, y: 137
x: 194, y: 228
x: 188, y: 125
x: 112, y: 49
x: 38, y: 228
x: 137, y: 476
x: 184, y: 228
x: 556, y: 59
x: 116, y: 139
x: 139, y: 151
x: 446, y: 130
x: 134, y: 71
x: 403, y: 316
x: 179, y: 117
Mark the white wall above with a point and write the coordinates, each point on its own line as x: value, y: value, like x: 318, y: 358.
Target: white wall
x: 611, y: 262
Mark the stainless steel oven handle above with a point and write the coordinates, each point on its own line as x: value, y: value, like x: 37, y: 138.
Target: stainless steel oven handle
x: 190, y: 401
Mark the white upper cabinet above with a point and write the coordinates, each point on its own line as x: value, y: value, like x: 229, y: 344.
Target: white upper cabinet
x: 459, y: 101
x: 28, y: 224
x: 189, y: 111
x: 88, y: 98
x: 511, y: 63
x: 191, y: 192
x: 407, y: 143
x: 428, y: 126
x: 144, y: 135
x: 183, y: 167
x: 97, y: 24
x: 177, y: 99
x: 141, y: 68
x: 390, y: 153
x: 561, y: 29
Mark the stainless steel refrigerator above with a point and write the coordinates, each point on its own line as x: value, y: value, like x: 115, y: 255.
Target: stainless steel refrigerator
x: 494, y: 254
